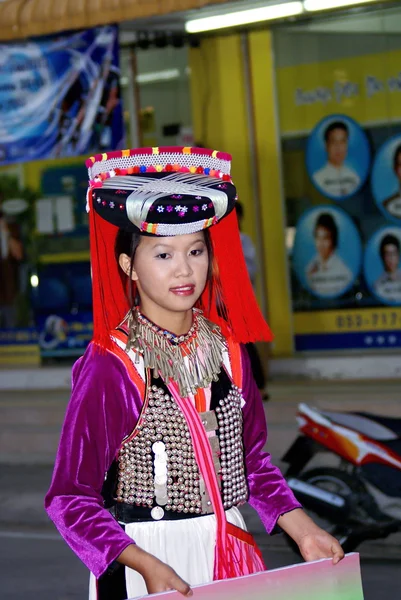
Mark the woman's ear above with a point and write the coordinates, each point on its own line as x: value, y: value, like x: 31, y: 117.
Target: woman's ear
x: 125, y: 263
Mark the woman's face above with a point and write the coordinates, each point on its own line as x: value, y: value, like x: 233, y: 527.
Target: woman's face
x: 391, y: 258
x: 170, y: 272
x: 324, y: 242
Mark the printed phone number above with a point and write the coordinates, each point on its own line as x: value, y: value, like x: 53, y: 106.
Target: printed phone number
x: 373, y: 320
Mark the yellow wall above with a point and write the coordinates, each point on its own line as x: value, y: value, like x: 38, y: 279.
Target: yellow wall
x: 218, y: 91
x: 219, y: 109
x: 271, y: 192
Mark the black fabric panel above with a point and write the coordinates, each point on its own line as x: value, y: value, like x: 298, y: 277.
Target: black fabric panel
x: 111, y: 585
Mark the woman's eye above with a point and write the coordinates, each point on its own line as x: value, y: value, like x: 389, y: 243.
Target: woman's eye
x: 197, y: 252
x: 163, y: 255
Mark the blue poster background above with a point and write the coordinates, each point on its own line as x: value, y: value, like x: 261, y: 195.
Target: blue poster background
x: 60, y: 96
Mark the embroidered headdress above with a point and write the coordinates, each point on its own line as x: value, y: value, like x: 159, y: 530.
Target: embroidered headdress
x: 169, y: 191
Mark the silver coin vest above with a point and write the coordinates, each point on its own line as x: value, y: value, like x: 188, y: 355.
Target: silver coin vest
x: 157, y: 466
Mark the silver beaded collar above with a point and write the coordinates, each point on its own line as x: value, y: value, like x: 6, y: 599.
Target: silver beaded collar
x: 193, y: 360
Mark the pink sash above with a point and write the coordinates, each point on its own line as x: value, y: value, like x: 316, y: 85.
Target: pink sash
x: 236, y: 552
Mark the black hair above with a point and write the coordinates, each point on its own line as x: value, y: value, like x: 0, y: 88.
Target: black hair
x: 127, y: 243
x: 395, y: 156
x: 389, y: 239
x: 327, y: 221
x: 333, y: 126
x: 240, y: 210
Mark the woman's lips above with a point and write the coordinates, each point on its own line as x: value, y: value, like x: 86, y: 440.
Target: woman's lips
x: 183, y: 290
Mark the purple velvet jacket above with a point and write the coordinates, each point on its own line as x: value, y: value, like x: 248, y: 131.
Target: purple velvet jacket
x: 104, y: 408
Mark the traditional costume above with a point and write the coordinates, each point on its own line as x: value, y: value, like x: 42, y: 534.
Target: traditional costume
x: 164, y: 434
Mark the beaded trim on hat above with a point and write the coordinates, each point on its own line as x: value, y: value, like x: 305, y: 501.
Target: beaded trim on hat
x: 159, y: 160
x: 164, y: 229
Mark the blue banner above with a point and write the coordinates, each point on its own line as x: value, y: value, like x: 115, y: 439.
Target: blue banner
x: 338, y: 341
x: 60, y: 96
x: 64, y: 334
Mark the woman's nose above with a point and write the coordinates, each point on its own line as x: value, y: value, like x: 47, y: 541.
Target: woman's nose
x: 183, y: 268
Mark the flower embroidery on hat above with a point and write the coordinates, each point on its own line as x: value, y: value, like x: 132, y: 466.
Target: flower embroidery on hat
x: 160, y: 209
x: 204, y: 206
x: 181, y: 210
x: 170, y: 208
x: 195, y: 208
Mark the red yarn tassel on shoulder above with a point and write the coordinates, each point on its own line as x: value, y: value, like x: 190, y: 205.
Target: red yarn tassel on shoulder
x: 234, y: 301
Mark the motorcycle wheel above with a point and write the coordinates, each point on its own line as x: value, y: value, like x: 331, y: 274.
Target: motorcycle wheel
x: 338, y: 482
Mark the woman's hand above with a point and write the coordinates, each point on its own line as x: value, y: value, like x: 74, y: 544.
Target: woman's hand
x: 320, y: 544
x: 158, y: 576
x: 314, y: 543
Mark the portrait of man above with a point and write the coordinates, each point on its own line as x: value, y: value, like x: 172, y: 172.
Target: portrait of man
x: 388, y: 285
x: 336, y: 179
x: 393, y: 203
x: 326, y: 273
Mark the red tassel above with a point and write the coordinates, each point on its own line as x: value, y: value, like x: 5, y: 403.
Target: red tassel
x: 233, y: 302
x: 236, y: 554
x: 110, y: 304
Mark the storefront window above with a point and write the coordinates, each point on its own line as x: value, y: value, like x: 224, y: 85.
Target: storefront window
x: 339, y: 91
x: 162, y: 75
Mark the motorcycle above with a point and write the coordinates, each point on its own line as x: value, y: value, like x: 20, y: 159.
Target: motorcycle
x: 359, y: 498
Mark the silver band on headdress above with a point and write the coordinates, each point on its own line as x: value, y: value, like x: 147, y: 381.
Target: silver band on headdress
x: 147, y: 190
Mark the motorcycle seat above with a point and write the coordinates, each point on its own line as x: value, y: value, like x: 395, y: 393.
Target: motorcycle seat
x: 391, y: 423
x: 378, y: 428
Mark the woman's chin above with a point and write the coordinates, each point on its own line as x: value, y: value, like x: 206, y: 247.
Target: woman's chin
x: 182, y: 303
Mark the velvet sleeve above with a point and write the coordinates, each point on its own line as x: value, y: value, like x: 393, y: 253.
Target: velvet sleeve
x: 269, y: 493
x: 103, y: 409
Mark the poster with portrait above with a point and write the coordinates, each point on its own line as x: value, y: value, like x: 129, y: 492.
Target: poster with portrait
x: 386, y: 179
x: 381, y: 265
x: 60, y: 96
x: 338, y: 157
x: 327, y: 252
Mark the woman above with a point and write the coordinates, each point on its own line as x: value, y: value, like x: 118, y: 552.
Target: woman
x: 163, y: 438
